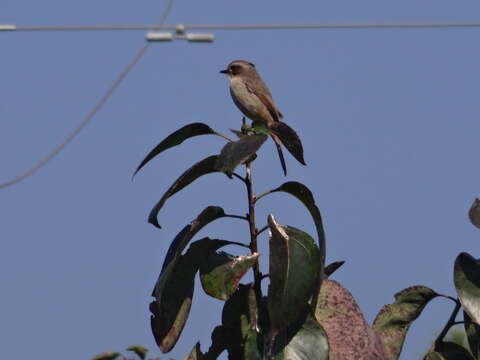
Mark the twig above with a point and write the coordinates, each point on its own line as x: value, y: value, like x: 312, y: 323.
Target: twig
x: 236, y: 217
x: 240, y: 178
x: 262, y: 230
x: 449, y: 297
x: 448, y: 325
x: 261, y: 196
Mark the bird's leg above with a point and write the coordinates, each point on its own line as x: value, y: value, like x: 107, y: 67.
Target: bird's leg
x: 245, y: 128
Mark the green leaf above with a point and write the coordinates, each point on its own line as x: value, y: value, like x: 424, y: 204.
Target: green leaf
x: 305, y: 196
x: 240, y: 325
x: 176, y: 138
x: 196, y: 353
x: 206, y: 166
x: 467, y: 283
x: 289, y: 139
x: 209, y: 214
x: 349, y: 335
x: 303, y: 340
x: 139, y: 350
x: 109, y: 355
x: 174, y: 291
x: 236, y: 153
x: 220, y: 339
x: 331, y: 268
x: 473, y: 335
x: 394, y: 320
x: 294, y: 268
x: 449, y: 351
x: 220, y: 273
x: 474, y: 213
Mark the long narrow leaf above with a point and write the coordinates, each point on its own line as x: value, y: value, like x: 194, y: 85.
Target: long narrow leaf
x: 206, y: 166
x: 294, y: 264
x: 467, y: 283
x: 173, y: 293
x: 176, y: 138
x: 305, y: 196
x: 394, y: 320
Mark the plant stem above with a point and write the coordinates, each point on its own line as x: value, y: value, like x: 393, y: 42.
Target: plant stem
x: 236, y: 217
x: 262, y: 230
x: 253, y: 231
x: 449, y: 324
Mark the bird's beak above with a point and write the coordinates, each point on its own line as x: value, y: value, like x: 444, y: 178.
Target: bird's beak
x: 224, y: 71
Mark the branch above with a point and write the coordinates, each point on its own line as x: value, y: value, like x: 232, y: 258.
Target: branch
x: 448, y: 325
x: 253, y: 231
x: 236, y: 217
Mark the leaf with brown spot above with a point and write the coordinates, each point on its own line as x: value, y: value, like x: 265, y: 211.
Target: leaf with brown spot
x: 206, y: 166
x: 294, y: 269
x: 394, y: 320
x: 220, y: 273
x: 349, y: 335
x: 176, y: 138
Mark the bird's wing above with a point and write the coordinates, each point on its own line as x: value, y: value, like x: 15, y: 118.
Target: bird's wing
x: 260, y: 90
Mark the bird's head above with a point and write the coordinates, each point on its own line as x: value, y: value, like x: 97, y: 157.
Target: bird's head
x: 239, y: 67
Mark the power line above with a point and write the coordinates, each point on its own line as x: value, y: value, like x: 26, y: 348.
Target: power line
x: 102, y: 101
x: 7, y: 27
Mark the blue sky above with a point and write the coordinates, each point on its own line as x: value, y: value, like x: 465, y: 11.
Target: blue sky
x: 388, y: 119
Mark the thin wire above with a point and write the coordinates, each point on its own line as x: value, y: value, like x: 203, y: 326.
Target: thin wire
x: 92, y: 112
x: 241, y: 27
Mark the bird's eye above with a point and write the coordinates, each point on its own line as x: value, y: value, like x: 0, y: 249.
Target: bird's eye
x: 235, y: 69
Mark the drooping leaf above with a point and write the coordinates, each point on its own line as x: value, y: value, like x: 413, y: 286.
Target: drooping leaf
x: 467, y: 283
x: 289, y: 139
x: 394, y: 320
x: 196, y: 353
x: 206, y: 166
x: 176, y: 138
x: 220, y: 339
x: 294, y: 268
x: 474, y: 213
x: 349, y: 335
x: 473, y: 335
x: 109, y: 355
x: 209, y: 214
x: 303, y: 340
x: 240, y: 325
x: 331, y: 268
x: 449, y: 351
x: 220, y: 273
x: 171, y: 308
x: 305, y: 196
x: 173, y: 293
x: 139, y: 350
x: 237, y: 152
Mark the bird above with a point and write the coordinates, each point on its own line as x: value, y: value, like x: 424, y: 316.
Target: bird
x: 252, y: 97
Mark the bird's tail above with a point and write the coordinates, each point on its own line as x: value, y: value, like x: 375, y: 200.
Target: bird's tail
x: 277, y: 142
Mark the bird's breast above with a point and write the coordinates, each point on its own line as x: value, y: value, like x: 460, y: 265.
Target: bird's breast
x: 248, y: 103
